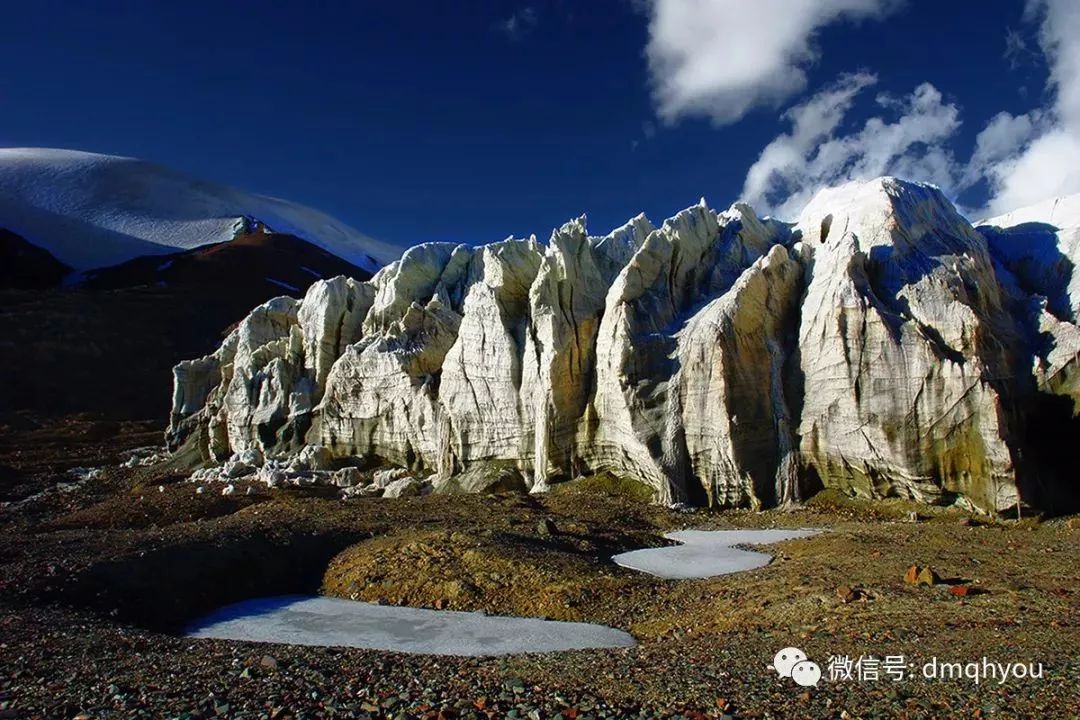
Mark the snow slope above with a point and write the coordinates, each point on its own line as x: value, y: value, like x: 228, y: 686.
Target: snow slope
x: 1040, y: 245
x: 93, y: 210
x: 1061, y: 212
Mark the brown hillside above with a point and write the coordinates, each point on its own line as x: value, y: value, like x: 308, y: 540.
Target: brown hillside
x: 107, y: 346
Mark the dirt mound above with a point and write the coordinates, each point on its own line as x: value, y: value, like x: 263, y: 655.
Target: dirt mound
x: 500, y: 573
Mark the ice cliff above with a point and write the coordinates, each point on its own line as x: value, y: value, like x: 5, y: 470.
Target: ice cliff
x: 881, y: 345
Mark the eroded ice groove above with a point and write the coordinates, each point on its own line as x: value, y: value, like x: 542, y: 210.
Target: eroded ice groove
x: 706, y: 553
x: 334, y: 622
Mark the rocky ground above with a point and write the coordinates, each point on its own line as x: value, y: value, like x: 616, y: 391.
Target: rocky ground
x: 99, y: 575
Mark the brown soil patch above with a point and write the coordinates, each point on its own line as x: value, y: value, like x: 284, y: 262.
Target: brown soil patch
x: 507, y: 574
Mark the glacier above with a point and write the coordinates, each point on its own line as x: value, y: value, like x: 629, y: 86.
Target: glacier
x: 880, y: 345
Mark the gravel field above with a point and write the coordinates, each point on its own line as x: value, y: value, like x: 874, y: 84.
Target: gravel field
x: 97, y: 578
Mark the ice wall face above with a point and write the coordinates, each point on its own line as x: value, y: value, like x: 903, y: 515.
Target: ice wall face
x: 1039, y: 247
x: 663, y: 384
x: 903, y: 349
x: 872, y: 346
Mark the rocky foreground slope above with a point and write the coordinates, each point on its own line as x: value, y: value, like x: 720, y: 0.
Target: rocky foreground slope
x: 880, y: 345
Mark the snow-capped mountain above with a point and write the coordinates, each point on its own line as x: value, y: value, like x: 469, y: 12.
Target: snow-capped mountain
x: 92, y: 211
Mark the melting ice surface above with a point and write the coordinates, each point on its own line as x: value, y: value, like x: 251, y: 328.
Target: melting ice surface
x: 324, y: 621
x: 706, y: 553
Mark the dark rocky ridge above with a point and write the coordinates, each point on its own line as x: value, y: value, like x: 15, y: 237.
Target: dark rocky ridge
x: 105, y: 345
x: 26, y: 266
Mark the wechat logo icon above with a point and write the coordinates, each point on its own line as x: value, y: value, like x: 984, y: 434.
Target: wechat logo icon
x: 791, y: 662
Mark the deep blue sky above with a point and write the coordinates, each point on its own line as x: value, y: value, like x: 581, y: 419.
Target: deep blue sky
x: 418, y: 121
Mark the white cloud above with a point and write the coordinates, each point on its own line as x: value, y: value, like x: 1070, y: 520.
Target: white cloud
x: 1035, y: 156
x: 519, y: 23
x: 1020, y: 159
x: 1017, y: 51
x: 1059, y: 37
x: 904, y: 141
x: 720, y: 58
x: 1001, y: 136
x: 1047, y: 167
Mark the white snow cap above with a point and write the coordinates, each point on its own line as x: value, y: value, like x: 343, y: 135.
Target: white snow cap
x: 92, y: 210
x: 1061, y: 212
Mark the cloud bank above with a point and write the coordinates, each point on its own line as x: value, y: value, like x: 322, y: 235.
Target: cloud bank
x: 903, y: 140
x: 721, y: 58
x: 1035, y: 156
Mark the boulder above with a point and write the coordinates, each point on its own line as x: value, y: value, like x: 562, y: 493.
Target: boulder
x: 347, y: 477
x: 252, y: 457
x: 205, y: 475
x: 272, y: 476
x: 383, y: 478
x: 361, y: 491
x: 312, y: 457
x: 485, y: 478
x: 402, y: 487
x: 236, y: 468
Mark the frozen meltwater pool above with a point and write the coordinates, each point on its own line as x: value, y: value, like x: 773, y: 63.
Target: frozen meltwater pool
x: 706, y: 553
x: 334, y: 622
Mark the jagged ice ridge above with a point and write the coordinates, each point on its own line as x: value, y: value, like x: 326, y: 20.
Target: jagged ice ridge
x: 880, y: 345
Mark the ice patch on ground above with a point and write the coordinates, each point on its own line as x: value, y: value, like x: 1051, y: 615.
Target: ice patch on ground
x: 80, y: 475
x: 334, y: 622
x: 706, y: 553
